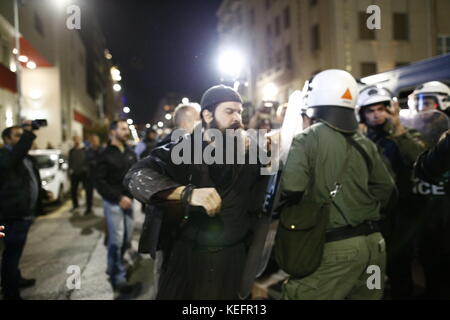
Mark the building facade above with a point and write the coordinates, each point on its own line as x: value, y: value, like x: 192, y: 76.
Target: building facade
x: 286, y: 42
x: 62, y: 84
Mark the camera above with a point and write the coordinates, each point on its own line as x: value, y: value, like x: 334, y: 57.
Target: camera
x: 38, y: 123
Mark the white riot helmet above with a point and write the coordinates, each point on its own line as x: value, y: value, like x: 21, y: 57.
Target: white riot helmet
x: 432, y: 95
x: 371, y: 96
x: 331, y: 97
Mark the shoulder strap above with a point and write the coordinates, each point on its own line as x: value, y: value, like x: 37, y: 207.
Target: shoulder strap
x: 338, y: 184
x: 361, y: 150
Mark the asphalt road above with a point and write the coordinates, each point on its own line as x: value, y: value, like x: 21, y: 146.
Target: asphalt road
x: 60, y: 242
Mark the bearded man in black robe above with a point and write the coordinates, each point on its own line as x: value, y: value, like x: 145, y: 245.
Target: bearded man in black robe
x: 202, y: 216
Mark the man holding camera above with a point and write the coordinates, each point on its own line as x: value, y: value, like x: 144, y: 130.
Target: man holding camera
x: 21, y: 194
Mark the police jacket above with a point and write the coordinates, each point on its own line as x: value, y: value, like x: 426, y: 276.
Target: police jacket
x: 433, y: 164
x: 314, y: 160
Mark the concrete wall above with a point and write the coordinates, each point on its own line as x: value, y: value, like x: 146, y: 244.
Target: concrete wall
x: 41, y: 100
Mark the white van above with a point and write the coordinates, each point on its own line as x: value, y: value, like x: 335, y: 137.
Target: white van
x: 53, y: 169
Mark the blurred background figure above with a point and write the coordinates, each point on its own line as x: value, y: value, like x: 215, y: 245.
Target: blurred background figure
x: 92, y: 154
x: 281, y: 113
x: 186, y: 117
x: 261, y: 120
x: 147, y: 143
x: 78, y: 170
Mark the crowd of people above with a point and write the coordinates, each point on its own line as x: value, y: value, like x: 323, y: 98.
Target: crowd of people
x: 374, y: 191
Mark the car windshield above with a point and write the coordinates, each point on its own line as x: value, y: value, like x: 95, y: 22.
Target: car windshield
x: 45, y: 161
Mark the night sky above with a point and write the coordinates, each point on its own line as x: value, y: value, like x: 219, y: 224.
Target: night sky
x: 160, y: 47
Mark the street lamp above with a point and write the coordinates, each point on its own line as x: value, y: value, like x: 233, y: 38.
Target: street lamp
x: 31, y: 65
x: 160, y: 124
x: 130, y: 121
x: 60, y: 3
x: 126, y: 110
x: 231, y: 63
x: 115, y: 74
x: 117, y: 87
x: 168, y: 116
x: 23, y: 59
x: 12, y: 67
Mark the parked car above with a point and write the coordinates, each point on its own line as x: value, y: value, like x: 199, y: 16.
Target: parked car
x: 53, y: 169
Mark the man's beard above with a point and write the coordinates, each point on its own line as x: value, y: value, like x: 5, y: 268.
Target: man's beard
x: 123, y: 140
x: 233, y: 126
x: 222, y: 174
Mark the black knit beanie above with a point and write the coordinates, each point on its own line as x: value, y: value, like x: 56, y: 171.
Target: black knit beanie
x: 218, y: 94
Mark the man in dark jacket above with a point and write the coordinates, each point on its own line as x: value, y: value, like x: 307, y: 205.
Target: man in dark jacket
x: 113, y: 163
x: 78, y: 169
x: 92, y: 155
x: 20, y: 194
x: 209, y: 210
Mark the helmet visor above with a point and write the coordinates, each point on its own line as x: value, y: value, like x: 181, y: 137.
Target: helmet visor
x: 425, y: 102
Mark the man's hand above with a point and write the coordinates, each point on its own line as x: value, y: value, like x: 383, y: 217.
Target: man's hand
x: 26, y: 125
x: 125, y: 203
x: 207, y: 198
x: 394, y: 115
x: 1, y: 233
x: 362, y: 128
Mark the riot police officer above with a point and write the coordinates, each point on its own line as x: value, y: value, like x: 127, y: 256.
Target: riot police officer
x: 399, y: 147
x: 435, y: 200
x: 331, y: 143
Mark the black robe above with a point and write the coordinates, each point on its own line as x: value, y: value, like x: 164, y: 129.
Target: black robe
x: 204, y: 257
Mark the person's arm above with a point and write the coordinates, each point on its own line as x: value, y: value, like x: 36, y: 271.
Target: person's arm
x: 410, y: 146
x: 296, y: 173
x: 21, y: 149
x: 2, y: 235
x: 155, y: 179
x: 432, y: 164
